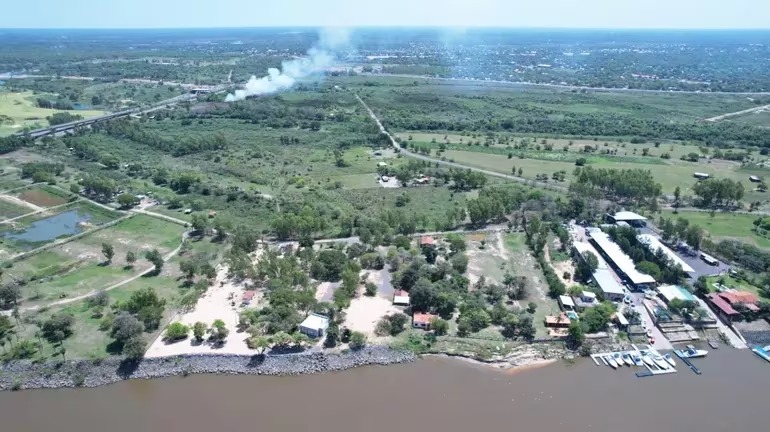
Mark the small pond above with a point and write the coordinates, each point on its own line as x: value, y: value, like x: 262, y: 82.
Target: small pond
x: 62, y: 224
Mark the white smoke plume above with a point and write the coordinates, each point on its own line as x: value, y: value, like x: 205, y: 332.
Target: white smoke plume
x: 320, y: 57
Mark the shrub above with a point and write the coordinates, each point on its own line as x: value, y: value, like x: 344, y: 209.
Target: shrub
x: 176, y: 331
x: 357, y: 340
x: 371, y: 289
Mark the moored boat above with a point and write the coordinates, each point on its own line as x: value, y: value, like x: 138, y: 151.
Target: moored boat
x: 646, y: 358
x: 670, y: 360
x: 660, y: 362
x: 691, y: 352
x: 761, y: 351
x: 628, y: 360
x: 619, y: 359
x: 637, y: 360
x: 612, y: 362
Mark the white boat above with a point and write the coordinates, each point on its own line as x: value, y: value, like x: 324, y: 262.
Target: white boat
x: 691, y: 352
x: 670, y: 359
x: 612, y: 362
x: 648, y: 360
x: 628, y: 360
x: 638, y: 360
x: 660, y: 361
x: 619, y: 359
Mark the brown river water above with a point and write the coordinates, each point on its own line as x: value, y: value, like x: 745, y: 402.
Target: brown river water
x: 433, y: 394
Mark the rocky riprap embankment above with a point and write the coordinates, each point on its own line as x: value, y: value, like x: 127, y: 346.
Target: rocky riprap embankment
x: 26, y: 375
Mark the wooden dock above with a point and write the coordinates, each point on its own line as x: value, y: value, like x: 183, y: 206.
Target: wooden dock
x: 690, y: 365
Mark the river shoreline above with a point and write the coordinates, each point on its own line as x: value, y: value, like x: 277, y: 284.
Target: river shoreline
x: 95, y: 373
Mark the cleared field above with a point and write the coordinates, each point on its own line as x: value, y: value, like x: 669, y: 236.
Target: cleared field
x: 18, y: 110
x: 725, y: 226
x: 77, y: 267
x: 522, y: 263
x: 88, y: 340
x: 44, y: 197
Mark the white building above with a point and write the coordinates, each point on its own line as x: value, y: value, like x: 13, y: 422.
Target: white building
x: 314, y: 325
x: 566, y: 303
x: 622, y: 262
x: 654, y: 245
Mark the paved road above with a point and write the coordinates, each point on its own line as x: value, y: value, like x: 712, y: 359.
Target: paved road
x: 408, y: 153
x: 37, y: 133
x: 661, y: 342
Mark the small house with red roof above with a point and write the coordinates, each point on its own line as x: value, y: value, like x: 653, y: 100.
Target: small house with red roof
x: 727, y: 303
x: 422, y: 320
x: 427, y: 241
x: 248, y: 296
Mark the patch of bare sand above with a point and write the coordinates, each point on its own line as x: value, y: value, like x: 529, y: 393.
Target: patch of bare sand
x: 494, y: 248
x: 364, y: 312
x: 221, y: 301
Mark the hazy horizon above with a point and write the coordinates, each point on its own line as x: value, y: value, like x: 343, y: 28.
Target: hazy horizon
x: 512, y: 14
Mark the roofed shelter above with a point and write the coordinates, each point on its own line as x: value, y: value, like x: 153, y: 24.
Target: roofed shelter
x: 618, y: 259
x: 314, y: 325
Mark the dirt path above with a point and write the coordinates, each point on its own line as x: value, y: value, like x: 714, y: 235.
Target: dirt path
x: 161, y: 216
x: 20, y: 202
x: 111, y: 287
x: 737, y: 113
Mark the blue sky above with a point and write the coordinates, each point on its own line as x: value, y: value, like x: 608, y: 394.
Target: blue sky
x: 463, y: 13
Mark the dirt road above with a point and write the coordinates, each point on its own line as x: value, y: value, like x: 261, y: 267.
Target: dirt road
x: 406, y: 152
x: 737, y: 113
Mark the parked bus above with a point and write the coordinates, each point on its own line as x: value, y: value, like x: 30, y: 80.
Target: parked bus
x: 710, y: 260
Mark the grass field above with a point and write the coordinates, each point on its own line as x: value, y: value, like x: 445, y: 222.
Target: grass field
x: 42, y: 196
x: 734, y: 283
x: 76, y: 268
x: 725, y: 226
x: 670, y: 175
x: 10, y: 210
x: 758, y: 118
x: 88, y: 341
x: 20, y: 111
x: 565, y: 148
x: 522, y: 263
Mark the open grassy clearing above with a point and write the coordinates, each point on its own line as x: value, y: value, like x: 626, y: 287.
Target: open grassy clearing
x: 11, y: 210
x: 88, y: 341
x: 19, y: 111
x: 76, y: 268
x: 9, y: 179
x: 724, y: 225
x: 575, y: 146
x: 758, y: 118
x: 139, y: 233
x: 731, y: 282
x: 522, y: 263
x: 670, y: 175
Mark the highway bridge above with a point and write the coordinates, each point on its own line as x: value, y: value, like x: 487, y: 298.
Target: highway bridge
x: 64, y: 127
